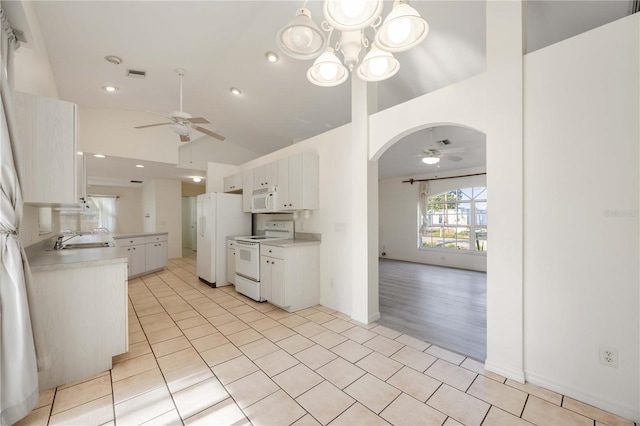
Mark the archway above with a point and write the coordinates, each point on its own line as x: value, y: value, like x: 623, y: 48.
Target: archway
x: 432, y: 267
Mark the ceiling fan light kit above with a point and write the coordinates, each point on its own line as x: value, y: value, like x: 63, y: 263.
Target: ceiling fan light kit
x: 430, y: 160
x: 402, y: 29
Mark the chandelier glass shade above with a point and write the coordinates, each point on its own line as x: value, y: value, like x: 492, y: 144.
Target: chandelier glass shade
x: 301, y: 38
x: 351, y: 15
x: 327, y: 70
x: 401, y: 30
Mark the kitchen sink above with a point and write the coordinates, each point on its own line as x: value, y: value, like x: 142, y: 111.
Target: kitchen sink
x: 86, y: 245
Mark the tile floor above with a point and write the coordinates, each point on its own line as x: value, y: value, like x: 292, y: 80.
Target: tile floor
x: 199, y: 355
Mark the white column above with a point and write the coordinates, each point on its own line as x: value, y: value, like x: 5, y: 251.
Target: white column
x: 364, y: 205
x: 505, y: 186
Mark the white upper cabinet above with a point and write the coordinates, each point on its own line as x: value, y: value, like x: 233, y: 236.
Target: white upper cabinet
x: 233, y: 183
x: 298, y: 182
x: 247, y: 189
x: 265, y: 176
x: 50, y: 167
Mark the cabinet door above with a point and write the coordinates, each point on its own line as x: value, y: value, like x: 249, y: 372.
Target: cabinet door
x: 265, y: 278
x: 259, y: 177
x: 228, y: 184
x: 162, y: 254
x: 152, y: 257
x: 233, y: 183
x: 265, y: 175
x: 296, y: 183
x: 271, y: 173
x: 283, y: 184
x: 278, y: 284
x: 46, y: 156
x: 247, y: 189
x: 231, y: 265
x: 137, y: 259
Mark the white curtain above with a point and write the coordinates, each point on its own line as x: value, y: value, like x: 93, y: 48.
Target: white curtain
x: 423, y: 196
x: 18, y: 370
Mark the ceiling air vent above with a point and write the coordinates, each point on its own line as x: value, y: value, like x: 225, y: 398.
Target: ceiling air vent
x: 135, y: 181
x: 136, y: 73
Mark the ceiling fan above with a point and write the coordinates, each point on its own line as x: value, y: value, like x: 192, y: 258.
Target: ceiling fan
x: 433, y: 153
x: 182, y: 123
x: 433, y: 156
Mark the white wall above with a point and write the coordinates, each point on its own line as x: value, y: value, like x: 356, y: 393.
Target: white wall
x: 581, y: 266
x: 32, y: 70
x: 398, y: 222
x: 111, y: 132
x: 128, y: 206
x: 162, y: 202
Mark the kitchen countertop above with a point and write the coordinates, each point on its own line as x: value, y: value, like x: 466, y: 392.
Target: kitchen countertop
x: 42, y: 258
x: 289, y: 243
x: 136, y: 234
x: 59, y: 259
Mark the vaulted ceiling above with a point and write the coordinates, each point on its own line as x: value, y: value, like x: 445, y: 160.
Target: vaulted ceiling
x: 222, y: 44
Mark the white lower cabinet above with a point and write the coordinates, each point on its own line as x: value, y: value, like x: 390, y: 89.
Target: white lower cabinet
x: 290, y: 276
x: 146, y: 254
x: 137, y: 259
x: 155, y: 256
x: 80, y: 319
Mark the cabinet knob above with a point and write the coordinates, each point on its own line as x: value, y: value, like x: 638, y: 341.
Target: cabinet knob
x: 290, y: 205
x: 134, y: 248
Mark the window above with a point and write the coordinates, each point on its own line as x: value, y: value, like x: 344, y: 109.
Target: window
x: 456, y: 220
x: 100, y: 214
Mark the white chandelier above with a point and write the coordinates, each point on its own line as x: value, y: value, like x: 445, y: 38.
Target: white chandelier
x: 401, y: 30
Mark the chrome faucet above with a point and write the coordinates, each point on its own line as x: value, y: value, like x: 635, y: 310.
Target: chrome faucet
x: 59, y: 242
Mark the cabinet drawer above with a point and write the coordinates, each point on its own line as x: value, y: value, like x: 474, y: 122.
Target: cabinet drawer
x: 155, y: 238
x: 272, y: 251
x: 126, y: 242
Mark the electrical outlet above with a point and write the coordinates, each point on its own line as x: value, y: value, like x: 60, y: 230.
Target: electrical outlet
x: 609, y: 356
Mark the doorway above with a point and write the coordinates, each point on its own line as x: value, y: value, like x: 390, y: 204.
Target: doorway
x: 189, y: 223
x: 432, y: 236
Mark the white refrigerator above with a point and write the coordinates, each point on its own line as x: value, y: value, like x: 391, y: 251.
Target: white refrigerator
x: 219, y: 216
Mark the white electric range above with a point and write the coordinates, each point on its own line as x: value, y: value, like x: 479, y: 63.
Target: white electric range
x: 248, y: 256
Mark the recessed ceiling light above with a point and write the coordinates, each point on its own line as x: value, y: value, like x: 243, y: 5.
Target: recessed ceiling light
x: 235, y: 91
x: 112, y: 59
x: 271, y: 56
x: 197, y: 179
x: 110, y: 89
x: 141, y: 166
x: 99, y: 156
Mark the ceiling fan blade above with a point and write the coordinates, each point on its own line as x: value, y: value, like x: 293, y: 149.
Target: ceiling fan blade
x: 451, y: 157
x: 185, y: 138
x: 209, y: 132
x: 452, y: 150
x: 199, y: 120
x: 151, y: 125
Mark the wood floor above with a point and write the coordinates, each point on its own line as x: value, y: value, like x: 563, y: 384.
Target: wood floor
x: 444, y: 306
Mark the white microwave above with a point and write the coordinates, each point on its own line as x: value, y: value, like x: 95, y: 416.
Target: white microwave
x: 264, y: 200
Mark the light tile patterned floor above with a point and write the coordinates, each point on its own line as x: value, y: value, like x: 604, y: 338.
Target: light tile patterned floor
x: 212, y: 356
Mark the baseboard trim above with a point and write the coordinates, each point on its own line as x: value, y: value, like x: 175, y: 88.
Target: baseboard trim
x: 373, y: 318
x: 630, y: 413
x: 509, y: 373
